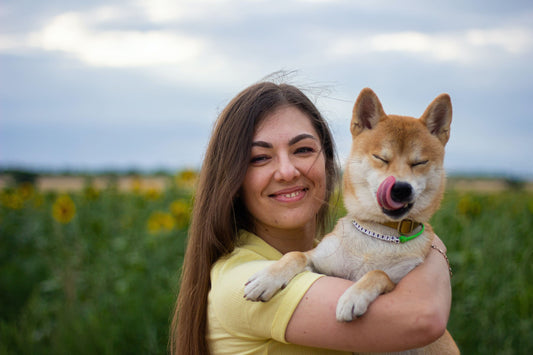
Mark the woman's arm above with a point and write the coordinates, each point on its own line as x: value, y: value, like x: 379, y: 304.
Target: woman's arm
x: 414, y: 314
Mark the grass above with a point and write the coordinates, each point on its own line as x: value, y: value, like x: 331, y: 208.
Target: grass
x: 490, y: 248
x: 102, y: 283
x: 101, y: 277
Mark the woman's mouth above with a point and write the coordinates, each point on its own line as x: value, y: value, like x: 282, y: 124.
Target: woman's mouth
x: 290, y: 195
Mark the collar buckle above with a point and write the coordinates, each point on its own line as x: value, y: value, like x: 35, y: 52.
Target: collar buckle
x: 407, y: 226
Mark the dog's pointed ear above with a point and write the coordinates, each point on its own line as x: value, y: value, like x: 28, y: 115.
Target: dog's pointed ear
x: 438, y: 117
x: 367, y: 112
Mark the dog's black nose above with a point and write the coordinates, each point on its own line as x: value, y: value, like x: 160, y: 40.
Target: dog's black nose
x: 402, y: 192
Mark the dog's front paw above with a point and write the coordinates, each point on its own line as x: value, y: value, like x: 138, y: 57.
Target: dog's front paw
x: 353, y: 303
x: 262, y: 286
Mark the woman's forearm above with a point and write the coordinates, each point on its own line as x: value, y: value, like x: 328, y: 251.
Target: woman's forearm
x: 414, y: 314
x: 429, y: 285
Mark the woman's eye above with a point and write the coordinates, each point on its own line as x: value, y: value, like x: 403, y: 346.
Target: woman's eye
x: 258, y: 159
x: 380, y: 158
x: 305, y: 150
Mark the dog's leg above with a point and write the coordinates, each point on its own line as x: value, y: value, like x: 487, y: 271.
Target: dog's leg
x: 355, y: 300
x: 445, y: 345
x: 265, y: 283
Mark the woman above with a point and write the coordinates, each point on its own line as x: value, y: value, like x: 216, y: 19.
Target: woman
x: 263, y: 190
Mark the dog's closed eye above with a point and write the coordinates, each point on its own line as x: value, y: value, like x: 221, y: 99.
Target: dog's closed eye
x: 380, y: 158
x: 418, y: 163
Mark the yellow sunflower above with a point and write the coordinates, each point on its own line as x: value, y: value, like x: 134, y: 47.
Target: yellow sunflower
x: 186, y: 179
x: 63, y: 209
x: 160, y: 222
x: 153, y: 194
x: 12, y: 200
x: 180, y: 209
x: 136, y: 184
x: 468, y: 206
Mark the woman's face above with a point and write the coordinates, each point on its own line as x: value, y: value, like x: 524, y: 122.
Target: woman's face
x: 285, y: 184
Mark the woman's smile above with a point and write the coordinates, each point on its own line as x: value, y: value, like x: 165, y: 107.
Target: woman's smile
x: 289, y: 195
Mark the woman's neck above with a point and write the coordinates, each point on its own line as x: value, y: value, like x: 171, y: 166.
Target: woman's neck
x: 285, y: 240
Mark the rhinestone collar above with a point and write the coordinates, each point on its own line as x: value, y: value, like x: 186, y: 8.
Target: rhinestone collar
x: 390, y: 238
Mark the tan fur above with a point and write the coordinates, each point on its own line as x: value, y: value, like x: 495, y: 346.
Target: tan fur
x: 411, y: 150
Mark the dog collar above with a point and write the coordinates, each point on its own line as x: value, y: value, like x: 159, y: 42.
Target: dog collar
x: 404, y: 227
x: 391, y: 238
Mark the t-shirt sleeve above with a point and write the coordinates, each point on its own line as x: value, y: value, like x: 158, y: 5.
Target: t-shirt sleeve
x: 260, y: 320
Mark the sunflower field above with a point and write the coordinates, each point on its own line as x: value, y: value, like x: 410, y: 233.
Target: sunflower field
x: 93, y: 271
x: 96, y: 270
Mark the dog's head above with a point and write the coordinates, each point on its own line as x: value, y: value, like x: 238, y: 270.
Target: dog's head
x: 395, y: 168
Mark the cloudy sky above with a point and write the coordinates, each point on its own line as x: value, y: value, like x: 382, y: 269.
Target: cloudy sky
x: 138, y: 83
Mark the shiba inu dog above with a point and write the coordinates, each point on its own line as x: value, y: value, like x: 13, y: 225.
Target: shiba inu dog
x: 393, y: 183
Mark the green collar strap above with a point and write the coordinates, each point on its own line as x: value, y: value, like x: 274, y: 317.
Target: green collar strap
x: 391, y: 238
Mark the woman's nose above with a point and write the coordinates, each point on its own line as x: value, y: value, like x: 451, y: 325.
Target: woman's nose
x: 286, y: 170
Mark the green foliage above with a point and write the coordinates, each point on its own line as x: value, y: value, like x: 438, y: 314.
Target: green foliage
x: 100, y: 283
x: 491, y: 252
x: 105, y: 281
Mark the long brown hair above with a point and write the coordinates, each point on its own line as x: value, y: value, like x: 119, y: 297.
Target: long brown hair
x: 218, y: 213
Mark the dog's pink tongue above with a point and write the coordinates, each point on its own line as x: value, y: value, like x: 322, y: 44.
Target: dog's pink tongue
x: 384, y: 195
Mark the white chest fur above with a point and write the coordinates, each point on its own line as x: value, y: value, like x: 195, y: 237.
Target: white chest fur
x: 348, y: 253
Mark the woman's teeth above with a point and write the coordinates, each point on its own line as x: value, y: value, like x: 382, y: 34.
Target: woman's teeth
x: 293, y: 194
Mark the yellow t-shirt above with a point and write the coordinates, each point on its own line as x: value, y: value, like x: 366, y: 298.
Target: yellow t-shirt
x: 238, y: 326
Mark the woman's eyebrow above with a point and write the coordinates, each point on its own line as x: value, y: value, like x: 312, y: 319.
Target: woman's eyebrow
x: 262, y: 144
x: 300, y: 137
x: 292, y: 141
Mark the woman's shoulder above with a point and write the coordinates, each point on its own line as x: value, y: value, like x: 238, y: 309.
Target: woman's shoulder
x: 251, y: 254
x: 227, y: 307
x: 231, y: 272
x: 249, y: 242
x: 238, y: 315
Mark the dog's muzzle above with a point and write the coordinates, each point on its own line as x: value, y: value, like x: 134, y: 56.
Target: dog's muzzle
x: 395, y: 197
